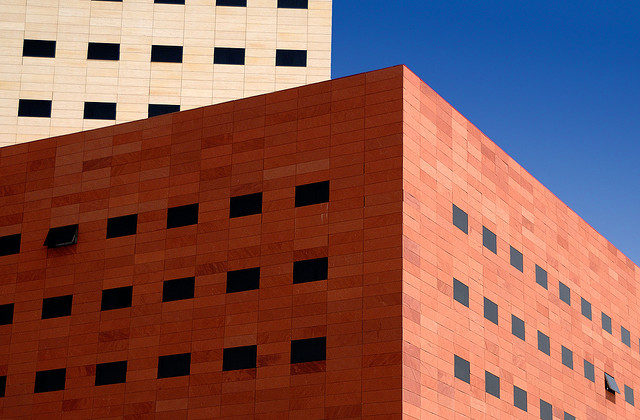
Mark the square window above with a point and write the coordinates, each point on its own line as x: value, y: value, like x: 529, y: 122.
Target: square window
x: 178, y: 289
x: 315, y: 193
x: 520, y: 398
x: 293, y: 4
x: 460, y: 219
x: 291, y: 58
x: 245, y: 205
x: 34, y: 108
x: 462, y: 369
x: 234, y: 3
x: 516, y: 258
x: 50, y: 380
x: 565, y: 293
x: 492, y: 384
x: 237, y: 358
x: 546, y: 410
x: 310, y: 270
x: 610, y: 384
x: 161, y: 109
x: 166, y: 53
x: 111, y: 373
x: 100, y: 111
x: 461, y: 292
x: 233, y: 56
x: 541, y: 276
x: 585, y: 307
x: 589, y: 371
x: 517, y: 327
x: 625, y: 336
x: 62, y: 236
x: 567, y: 357
x: 3, y: 385
x: 309, y: 350
x: 174, y: 365
x: 122, y: 226
x: 116, y: 298
x: 10, y: 244
x: 182, y: 216
x: 568, y: 416
x: 489, y: 240
x: 628, y: 395
x: 491, y: 311
x: 606, y: 323
x: 55, y: 307
x: 543, y: 343
x: 38, y: 48
x: 103, y: 51
x: 243, y: 280
x: 6, y: 314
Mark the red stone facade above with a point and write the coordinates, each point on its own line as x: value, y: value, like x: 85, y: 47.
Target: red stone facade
x: 398, y: 158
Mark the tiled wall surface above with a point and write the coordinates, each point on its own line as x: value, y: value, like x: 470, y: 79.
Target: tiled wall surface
x: 133, y: 82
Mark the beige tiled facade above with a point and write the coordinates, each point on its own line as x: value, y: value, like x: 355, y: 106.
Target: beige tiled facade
x: 133, y: 82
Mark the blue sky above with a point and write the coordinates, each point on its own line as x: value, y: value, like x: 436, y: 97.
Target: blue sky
x: 556, y: 84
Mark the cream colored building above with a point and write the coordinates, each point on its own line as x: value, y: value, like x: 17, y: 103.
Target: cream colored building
x: 272, y: 45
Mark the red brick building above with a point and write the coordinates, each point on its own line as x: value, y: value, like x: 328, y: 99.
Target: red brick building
x: 348, y: 249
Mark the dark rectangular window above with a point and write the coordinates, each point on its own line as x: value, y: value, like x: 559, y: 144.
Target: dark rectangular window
x: 309, y: 350
x: 117, y: 298
x: 491, y: 384
x: 462, y: 369
x: 50, y: 380
x: 589, y: 371
x: 166, y: 53
x: 293, y: 4
x: 461, y: 292
x: 99, y: 111
x: 315, y: 193
x: 161, y: 109
x: 243, y: 280
x: 610, y: 384
x: 122, y: 226
x: 628, y: 395
x: 222, y: 55
x: 111, y: 373
x: 168, y: 1
x: 62, y: 236
x: 565, y: 293
x: 543, y: 343
x: 291, y: 58
x: 34, y: 108
x: 546, y: 410
x: 234, y: 3
x: 515, y: 258
x: 489, y: 240
x: 174, y: 365
x: 585, y: 307
x: 9, y: 244
x: 517, y: 327
x: 310, y: 270
x: 567, y: 357
x: 460, y: 219
x: 541, y: 276
x: 182, y: 216
x: 178, y: 289
x: 237, y: 358
x: 55, y: 307
x: 245, y: 205
x: 625, y: 336
x: 103, y: 51
x: 606, y: 323
x: 38, y: 48
x: 3, y: 385
x: 568, y: 416
x: 520, y: 398
x: 6, y: 314
x: 491, y: 311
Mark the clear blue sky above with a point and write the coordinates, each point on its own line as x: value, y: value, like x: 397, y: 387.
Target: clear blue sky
x: 556, y: 84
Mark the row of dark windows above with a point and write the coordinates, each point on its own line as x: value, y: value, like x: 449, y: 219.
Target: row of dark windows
x: 173, y: 365
x: 461, y: 221
x: 162, y: 53
x: 92, y: 110
x: 282, y: 4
